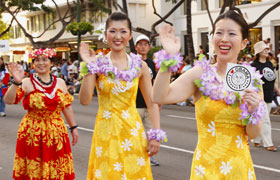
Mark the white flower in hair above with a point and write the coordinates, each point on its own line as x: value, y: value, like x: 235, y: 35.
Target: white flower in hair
x: 211, y: 52
x: 101, y: 31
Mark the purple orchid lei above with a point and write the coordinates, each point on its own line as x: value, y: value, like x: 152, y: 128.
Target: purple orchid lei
x: 210, y: 86
x: 157, y: 134
x: 165, y: 61
x: 92, y: 68
x: 103, y: 66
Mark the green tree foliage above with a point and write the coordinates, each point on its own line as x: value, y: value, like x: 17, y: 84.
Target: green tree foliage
x: 100, y: 5
x: 28, y: 5
x: 3, y: 27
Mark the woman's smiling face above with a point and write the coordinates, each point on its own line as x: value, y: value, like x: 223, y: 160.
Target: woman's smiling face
x: 118, y: 35
x: 227, y: 40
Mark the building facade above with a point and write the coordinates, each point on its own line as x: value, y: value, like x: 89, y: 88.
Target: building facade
x: 269, y: 27
x: 140, y: 13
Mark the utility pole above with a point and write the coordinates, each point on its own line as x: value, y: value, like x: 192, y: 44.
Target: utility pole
x: 79, y: 34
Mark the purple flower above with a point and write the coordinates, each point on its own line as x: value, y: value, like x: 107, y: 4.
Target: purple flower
x: 258, y: 114
x: 127, y: 75
x: 157, y: 134
x: 161, y: 56
x: 230, y: 98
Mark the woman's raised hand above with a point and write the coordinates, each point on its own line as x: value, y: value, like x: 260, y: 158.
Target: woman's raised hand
x: 88, y: 55
x: 169, y: 41
x: 17, y: 71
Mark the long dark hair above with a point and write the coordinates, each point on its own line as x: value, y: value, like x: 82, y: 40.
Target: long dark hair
x: 257, y: 57
x: 118, y: 16
x: 230, y: 14
x: 2, y: 66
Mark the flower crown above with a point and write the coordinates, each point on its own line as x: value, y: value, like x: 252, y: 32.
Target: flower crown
x: 42, y: 53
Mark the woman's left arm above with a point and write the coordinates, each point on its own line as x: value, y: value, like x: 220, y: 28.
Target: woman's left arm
x: 253, y: 99
x: 145, y: 86
x: 69, y: 115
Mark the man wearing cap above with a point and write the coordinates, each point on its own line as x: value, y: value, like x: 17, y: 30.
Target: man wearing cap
x: 265, y: 67
x: 142, y: 47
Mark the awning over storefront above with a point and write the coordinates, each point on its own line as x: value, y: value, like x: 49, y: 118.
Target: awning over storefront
x: 62, y: 49
x: 18, y: 52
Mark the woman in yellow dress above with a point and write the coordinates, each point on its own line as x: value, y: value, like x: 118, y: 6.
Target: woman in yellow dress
x: 224, y: 118
x: 120, y: 149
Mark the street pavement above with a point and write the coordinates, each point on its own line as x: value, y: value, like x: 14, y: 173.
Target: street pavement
x: 175, y: 156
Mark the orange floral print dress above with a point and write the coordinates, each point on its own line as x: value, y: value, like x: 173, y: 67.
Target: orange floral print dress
x: 43, y: 148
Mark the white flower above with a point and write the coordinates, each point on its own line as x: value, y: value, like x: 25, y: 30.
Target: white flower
x: 118, y: 166
x: 125, y: 114
x: 107, y: 114
x: 123, y: 177
x: 101, y: 31
x: 98, y: 151
x: 211, y: 52
x: 225, y: 168
x: 250, y: 174
x: 115, y: 91
x: 144, y: 135
x: 126, y: 145
x: 141, y: 161
x: 239, y: 142
x: 211, y: 128
x: 97, y: 173
x: 110, y: 80
x: 138, y: 125
x: 101, y: 83
x: 199, y: 170
x: 134, y: 132
x: 198, y: 155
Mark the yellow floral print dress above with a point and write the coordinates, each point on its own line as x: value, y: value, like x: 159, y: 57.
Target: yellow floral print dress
x: 222, y: 150
x: 119, y: 144
x: 43, y: 149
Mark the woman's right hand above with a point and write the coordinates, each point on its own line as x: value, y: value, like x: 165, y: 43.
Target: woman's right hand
x: 88, y: 55
x: 169, y: 41
x: 17, y: 71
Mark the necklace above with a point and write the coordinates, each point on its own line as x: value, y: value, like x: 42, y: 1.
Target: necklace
x: 211, y: 85
x: 42, y: 82
x: 48, y: 91
x: 106, y: 67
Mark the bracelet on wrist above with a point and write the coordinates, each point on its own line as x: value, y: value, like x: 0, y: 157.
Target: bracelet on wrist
x: 254, y: 117
x: 16, y: 83
x: 88, y: 68
x: 73, y: 127
x: 166, y: 62
x: 157, y: 134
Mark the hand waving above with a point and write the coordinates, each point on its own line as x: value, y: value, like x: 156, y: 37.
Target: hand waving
x: 86, y: 54
x: 169, y: 41
x: 17, y: 72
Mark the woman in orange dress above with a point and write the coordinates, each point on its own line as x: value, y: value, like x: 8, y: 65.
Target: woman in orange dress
x: 43, y: 148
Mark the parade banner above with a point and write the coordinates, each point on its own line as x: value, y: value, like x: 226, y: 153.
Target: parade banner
x: 4, y: 45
